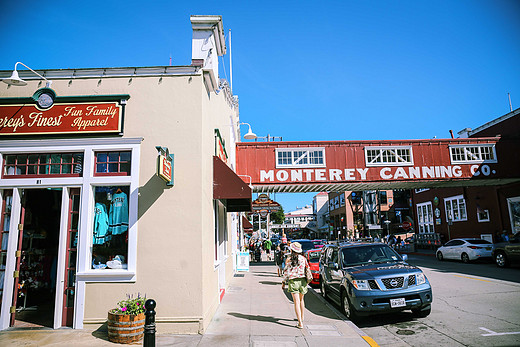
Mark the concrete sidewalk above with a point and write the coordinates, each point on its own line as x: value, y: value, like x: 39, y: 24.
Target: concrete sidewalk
x: 254, y: 312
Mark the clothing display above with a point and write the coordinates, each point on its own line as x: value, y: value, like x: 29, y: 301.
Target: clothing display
x: 100, y: 224
x: 118, y: 215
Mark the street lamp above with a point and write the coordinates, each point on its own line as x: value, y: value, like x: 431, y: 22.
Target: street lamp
x: 250, y: 180
x: 15, y: 80
x: 250, y: 135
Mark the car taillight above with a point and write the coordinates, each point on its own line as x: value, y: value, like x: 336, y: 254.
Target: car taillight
x: 474, y: 247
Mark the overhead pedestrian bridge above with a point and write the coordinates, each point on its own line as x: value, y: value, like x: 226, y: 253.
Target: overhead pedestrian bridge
x: 315, y: 166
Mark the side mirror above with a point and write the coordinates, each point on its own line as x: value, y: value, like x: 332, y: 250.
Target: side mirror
x: 405, y: 257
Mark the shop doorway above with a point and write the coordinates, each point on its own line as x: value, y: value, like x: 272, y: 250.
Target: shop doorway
x: 37, y: 259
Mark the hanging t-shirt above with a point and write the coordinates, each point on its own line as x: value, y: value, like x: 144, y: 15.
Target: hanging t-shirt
x: 100, y: 224
x: 118, y: 215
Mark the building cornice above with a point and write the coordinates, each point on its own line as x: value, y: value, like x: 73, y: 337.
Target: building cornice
x: 110, y: 72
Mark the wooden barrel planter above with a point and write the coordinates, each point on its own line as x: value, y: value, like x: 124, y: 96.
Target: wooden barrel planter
x: 125, y: 328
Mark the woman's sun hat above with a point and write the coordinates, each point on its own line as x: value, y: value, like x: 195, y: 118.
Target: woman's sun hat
x: 296, y: 247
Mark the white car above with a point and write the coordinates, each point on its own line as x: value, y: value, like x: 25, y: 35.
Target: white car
x: 465, y: 250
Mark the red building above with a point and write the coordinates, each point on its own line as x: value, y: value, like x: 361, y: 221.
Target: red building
x: 476, y: 211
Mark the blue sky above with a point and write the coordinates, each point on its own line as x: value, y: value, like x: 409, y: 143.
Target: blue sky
x: 303, y: 70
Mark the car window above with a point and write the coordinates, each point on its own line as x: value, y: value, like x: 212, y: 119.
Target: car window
x: 334, y: 257
x: 479, y: 242
x: 353, y: 256
x: 454, y: 243
x: 314, y: 257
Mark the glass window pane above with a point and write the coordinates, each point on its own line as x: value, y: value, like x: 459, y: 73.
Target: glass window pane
x: 72, y: 278
x: 21, y: 170
x: 55, y: 158
x: 70, y: 297
x: 72, y: 259
x: 113, y: 167
x: 101, y: 167
x: 125, y: 167
x: 55, y: 169
x: 113, y: 156
x: 74, y: 221
x: 75, y: 203
x: 5, y: 241
x: 44, y: 169
x: 125, y: 156
x: 21, y: 159
x: 78, y: 163
x: 101, y: 157
x: 66, y: 169
x: 73, y: 239
x: 32, y: 170
x: 33, y: 159
x: 45, y: 158
x: 10, y: 159
x: 67, y: 158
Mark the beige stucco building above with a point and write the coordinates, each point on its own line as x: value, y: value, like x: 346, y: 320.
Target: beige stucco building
x: 96, y: 221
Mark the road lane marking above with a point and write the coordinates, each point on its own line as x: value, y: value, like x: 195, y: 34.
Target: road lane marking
x: 494, y: 333
x: 370, y: 341
x: 473, y: 278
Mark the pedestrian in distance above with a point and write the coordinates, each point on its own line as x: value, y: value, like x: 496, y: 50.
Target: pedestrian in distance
x: 267, y: 247
x: 294, y: 277
x: 278, y: 260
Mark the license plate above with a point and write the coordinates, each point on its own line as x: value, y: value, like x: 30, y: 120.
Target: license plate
x: 397, y: 302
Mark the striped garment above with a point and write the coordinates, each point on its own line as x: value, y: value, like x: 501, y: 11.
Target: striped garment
x: 297, y: 271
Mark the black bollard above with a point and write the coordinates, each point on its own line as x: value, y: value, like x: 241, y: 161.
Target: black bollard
x: 149, y: 323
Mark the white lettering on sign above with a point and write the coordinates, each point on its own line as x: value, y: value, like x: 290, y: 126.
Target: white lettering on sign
x: 386, y: 173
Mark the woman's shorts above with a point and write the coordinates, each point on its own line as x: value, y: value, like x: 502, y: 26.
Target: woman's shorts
x: 297, y: 285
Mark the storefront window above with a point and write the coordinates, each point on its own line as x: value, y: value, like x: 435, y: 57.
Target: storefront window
x: 110, y: 229
x: 43, y: 164
x: 113, y: 163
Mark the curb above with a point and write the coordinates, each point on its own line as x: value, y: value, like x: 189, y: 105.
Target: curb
x: 340, y: 315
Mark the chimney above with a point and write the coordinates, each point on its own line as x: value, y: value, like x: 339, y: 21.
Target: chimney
x: 208, y: 44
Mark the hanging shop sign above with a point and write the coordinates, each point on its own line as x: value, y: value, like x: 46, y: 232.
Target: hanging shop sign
x: 220, y: 147
x: 165, y: 165
x: 263, y: 202
x: 46, y: 113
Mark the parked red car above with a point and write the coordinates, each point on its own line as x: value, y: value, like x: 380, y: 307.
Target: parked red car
x: 313, y: 257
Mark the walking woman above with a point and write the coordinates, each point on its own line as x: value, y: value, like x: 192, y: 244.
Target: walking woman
x: 294, y: 277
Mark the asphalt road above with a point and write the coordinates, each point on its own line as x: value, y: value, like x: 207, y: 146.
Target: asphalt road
x: 474, y: 304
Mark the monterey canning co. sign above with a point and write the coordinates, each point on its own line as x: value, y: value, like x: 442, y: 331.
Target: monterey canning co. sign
x: 78, y: 115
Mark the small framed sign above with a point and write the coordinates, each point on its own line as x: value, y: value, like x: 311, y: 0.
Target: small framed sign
x: 165, y: 165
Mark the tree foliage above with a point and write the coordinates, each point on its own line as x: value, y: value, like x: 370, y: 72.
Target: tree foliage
x: 278, y: 217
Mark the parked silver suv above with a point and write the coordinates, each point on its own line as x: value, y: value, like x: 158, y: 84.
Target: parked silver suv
x: 371, y: 278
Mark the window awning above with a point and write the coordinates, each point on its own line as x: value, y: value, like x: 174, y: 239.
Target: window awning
x: 246, y: 224
x: 229, y: 188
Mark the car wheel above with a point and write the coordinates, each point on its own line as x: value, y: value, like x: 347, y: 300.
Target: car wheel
x: 440, y: 257
x: 347, y: 308
x: 419, y: 313
x: 323, y: 288
x: 501, y: 259
x: 465, y: 258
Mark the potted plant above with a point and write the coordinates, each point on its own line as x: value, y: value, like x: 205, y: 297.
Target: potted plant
x: 126, y: 321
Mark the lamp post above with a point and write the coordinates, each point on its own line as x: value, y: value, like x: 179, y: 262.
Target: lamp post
x: 15, y: 79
